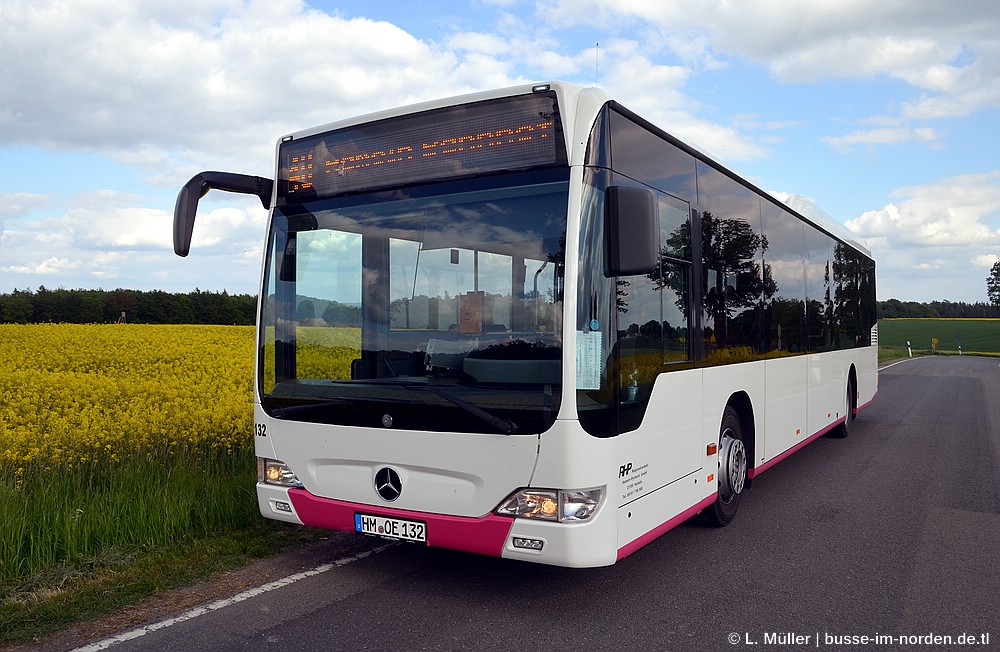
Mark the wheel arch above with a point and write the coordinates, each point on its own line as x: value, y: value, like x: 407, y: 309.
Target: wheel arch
x: 740, y: 401
x: 852, y: 381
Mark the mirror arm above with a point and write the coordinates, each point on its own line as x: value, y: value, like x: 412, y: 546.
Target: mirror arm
x: 187, y: 200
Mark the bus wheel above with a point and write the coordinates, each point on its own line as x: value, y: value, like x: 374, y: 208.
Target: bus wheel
x: 732, y: 470
x: 850, y: 407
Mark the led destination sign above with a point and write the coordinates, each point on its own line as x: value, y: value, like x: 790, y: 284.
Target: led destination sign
x: 510, y: 134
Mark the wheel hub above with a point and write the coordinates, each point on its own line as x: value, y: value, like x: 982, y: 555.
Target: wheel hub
x: 732, y: 466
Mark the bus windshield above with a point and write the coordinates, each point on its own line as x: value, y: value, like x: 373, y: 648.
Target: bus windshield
x: 434, y: 308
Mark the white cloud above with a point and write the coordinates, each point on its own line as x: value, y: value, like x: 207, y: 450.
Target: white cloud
x: 109, y: 235
x: 986, y: 261
x: 170, y: 92
x: 915, y: 60
x: 924, y: 243
x: 15, y: 204
x: 882, y: 136
x: 481, y: 43
x: 655, y: 91
x: 45, y: 266
x: 947, y: 49
x: 145, y: 80
x: 134, y: 229
x: 952, y: 211
x: 234, y: 228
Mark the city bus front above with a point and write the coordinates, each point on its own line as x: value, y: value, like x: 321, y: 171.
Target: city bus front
x: 410, y: 352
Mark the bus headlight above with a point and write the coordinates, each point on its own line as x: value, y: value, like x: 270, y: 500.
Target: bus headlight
x: 580, y: 505
x: 564, y: 506
x: 276, y: 472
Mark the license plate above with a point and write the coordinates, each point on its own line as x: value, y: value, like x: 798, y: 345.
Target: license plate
x: 391, y: 528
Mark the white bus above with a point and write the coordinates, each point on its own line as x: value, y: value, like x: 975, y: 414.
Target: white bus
x: 528, y: 323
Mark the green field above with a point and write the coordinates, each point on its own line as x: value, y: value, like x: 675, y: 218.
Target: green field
x: 974, y: 336
x: 127, y: 466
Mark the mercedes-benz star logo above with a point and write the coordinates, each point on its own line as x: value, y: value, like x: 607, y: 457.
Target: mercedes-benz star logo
x: 387, y: 484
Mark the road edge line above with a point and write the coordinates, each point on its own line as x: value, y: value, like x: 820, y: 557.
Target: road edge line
x: 222, y: 603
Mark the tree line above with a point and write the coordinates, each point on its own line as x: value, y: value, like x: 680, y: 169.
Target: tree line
x: 896, y: 309
x: 200, y: 307
x: 134, y: 306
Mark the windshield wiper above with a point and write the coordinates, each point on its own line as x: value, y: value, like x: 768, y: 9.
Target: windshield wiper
x: 506, y: 426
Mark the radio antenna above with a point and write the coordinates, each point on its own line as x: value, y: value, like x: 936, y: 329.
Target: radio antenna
x: 597, y: 62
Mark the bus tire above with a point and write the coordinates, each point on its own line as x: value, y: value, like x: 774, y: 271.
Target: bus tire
x: 850, y: 408
x: 732, y: 474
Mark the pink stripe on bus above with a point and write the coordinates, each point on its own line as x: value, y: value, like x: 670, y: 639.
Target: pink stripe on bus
x: 752, y: 473
x: 483, y: 535
x: 663, y: 528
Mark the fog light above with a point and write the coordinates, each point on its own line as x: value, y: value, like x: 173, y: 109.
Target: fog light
x: 528, y: 544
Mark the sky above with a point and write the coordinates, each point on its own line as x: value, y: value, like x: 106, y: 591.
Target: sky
x: 886, y: 113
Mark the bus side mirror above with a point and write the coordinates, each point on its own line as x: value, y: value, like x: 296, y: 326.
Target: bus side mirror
x: 631, y: 232
x: 187, y: 200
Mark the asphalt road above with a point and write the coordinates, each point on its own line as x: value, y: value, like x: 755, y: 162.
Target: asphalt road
x: 892, y: 532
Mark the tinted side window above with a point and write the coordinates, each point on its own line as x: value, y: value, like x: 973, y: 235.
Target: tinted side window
x: 869, y: 315
x: 675, y: 276
x: 784, y: 280
x: 819, y: 290
x: 731, y: 245
x: 854, y: 297
x: 643, y: 155
x: 652, y: 315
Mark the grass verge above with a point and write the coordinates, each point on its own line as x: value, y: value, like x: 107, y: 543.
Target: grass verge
x: 84, y: 541
x: 126, y: 468
x: 65, y: 595
x: 893, y: 353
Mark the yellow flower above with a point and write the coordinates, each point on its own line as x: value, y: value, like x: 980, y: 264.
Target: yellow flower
x: 89, y: 394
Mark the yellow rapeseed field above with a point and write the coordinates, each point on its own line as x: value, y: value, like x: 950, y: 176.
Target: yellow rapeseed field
x: 79, y: 394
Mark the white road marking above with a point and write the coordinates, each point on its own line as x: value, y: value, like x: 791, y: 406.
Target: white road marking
x: 226, y: 602
x: 898, y: 362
